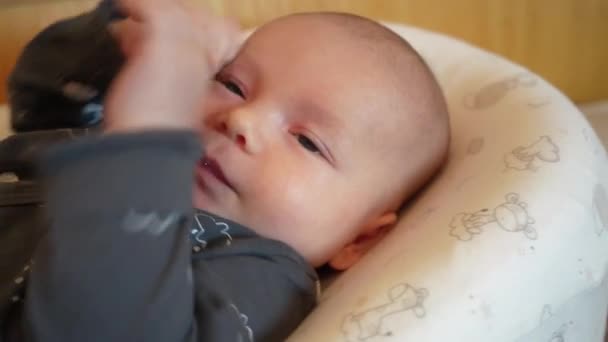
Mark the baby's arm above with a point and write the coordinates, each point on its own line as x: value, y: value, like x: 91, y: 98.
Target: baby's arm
x: 172, y: 55
x: 113, y: 266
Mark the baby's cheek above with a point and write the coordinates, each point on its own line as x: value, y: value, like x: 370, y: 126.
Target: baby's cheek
x: 293, y: 194
x: 289, y: 203
x: 292, y: 198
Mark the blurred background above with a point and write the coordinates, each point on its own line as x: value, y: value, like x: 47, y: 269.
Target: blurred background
x: 564, y: 41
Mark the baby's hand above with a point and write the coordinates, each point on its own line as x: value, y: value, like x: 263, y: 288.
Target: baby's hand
x: 172, y: 54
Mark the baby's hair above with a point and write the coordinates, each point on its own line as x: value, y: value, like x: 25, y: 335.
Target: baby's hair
x: 382, y: 40
x: 373, y: 32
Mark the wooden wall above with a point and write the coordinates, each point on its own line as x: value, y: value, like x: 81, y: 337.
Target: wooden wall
x: 565, y: 41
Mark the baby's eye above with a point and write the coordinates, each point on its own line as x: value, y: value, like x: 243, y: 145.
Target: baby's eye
x: 233, y: 87
x: 308, y: 144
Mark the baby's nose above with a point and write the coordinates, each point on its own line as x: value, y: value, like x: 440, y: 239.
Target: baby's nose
x: 234, y: 135
x: 240, y: 127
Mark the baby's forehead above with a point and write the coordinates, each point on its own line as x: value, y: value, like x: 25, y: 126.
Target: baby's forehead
x: 354, y: 44
x: 362, y: 71
x: 299, y: 31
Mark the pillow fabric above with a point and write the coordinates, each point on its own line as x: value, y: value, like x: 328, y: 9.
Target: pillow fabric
x: 508, y: 243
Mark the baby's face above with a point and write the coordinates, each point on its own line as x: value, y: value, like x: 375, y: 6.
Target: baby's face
x: 295, y: 147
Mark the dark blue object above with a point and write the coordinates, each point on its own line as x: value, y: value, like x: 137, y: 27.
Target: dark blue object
x: 62, y: 75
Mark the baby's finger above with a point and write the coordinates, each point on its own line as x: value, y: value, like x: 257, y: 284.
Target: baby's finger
x: 235, y: 38
x: 128, y: 33
x: 230, y: 41
x: 144, y: 10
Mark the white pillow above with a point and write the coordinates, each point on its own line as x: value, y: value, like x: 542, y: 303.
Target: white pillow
x: 509, y: 243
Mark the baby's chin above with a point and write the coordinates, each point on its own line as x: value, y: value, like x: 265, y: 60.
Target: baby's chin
x: 212, y: 196
x: 223, y: 205
x: 217, y: 203
x: 202, y: 201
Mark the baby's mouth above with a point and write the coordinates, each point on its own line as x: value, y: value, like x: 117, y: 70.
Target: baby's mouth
x: 211, y: 165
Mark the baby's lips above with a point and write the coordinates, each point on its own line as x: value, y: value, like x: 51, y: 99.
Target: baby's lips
x: 212, y: 166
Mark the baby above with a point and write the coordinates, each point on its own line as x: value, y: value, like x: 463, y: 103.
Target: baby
x: 315, y: 133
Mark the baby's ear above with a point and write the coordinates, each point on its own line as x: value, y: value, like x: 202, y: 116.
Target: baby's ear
x: 372, y: 233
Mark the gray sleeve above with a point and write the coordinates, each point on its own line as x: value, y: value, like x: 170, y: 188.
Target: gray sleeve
x: 115, y: 265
